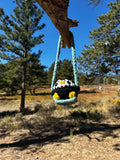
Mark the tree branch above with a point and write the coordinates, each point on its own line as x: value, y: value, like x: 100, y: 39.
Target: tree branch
x: 57, y: 12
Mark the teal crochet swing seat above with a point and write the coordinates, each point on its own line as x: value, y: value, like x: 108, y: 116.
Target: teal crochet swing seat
x: 65, y: 91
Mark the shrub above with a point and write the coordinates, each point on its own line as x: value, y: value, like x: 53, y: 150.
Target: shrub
x: 115, y: 102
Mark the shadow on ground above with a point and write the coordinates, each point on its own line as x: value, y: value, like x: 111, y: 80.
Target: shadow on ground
x: 90, y: 91
x: 8, y: 113
x: 52, y: 129
x: 14, y: 112
x: 43, y: 94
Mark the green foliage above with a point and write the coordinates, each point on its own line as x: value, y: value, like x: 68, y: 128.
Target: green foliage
x: 103, y: 55
x: 19, y: 30
x: 10, y: 78
x: 118, y: 93
x: 111, y: 80
x: 64, y: 70
x: 36, y: 76
x: 85, y: 79
x: 21, y: 33
x: 50, y: 71
x: 82, y: 79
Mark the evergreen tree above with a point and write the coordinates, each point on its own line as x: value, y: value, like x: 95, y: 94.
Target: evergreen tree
x: 103, y: 55
x: 82, y: 79
x: 10, y: 77
x: 50, y: 71
x: 36, y: 76
x: 2, y: 71
x: 20, y: 36
x: 64, y: 70
x: 96, y: 2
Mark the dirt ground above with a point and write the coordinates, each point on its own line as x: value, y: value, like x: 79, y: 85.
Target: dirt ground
x: 61, y: 135
x: 84, y: 145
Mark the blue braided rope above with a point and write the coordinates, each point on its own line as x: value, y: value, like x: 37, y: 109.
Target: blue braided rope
x: 74, y: 61
x: 56, y: 62
x: 74, y: 70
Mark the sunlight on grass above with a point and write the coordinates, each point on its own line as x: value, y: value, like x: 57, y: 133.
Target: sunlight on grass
x: 41, y: 108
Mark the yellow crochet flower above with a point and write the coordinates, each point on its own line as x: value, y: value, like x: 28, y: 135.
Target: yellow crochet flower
x: 72, y: 94
x: 56, y: 96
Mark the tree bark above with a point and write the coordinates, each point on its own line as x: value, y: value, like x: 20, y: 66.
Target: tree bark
x: 22, y: 106
x: 34, y: 91
x: 57, y: 12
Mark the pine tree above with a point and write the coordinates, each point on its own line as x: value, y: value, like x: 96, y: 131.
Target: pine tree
x: 20, y: 36
x: 10, y: 77
x: 103, y: 55
x: 36, y: 76
x: 50, y: 71
x: 64, y: 70
x: 2, y: 71
x: 96, y: 2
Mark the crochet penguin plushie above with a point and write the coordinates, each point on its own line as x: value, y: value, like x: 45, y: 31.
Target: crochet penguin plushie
x: 64, y: 89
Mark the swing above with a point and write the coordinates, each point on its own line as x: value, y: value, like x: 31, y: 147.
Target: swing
x: 65, y: 91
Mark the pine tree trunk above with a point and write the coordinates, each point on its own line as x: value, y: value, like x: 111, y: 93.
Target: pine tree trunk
x: 33, y: 91
x: 30, y: 91
x: 22, y: 106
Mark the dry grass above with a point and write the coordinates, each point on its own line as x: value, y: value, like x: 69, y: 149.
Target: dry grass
x: 87, y: 130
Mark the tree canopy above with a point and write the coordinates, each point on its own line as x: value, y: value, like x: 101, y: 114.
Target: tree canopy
x: 64, y: 70
x: 20, y: 36
x: 103, y: 55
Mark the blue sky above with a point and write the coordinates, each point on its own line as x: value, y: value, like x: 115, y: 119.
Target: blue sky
x: 79, y: 10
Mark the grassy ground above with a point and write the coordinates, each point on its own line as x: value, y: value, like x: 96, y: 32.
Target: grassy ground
x: 87, y: 130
